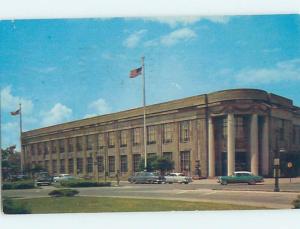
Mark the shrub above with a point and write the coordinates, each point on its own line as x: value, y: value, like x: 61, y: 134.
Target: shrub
x: 18, y: 185
x: 63, y: 192
x: 296, y: 203
x: 78, y: 183
x: 11, y: 207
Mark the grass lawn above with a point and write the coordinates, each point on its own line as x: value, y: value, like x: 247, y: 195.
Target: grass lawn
x: 107, y: 204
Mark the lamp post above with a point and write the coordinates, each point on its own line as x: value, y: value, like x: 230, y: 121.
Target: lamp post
x: 276, y: 174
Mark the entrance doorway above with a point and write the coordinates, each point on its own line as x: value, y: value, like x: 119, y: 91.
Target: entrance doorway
x: 241, y: 161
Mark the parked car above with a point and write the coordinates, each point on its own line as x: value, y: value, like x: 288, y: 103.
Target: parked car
x: 147, y: 178
x: 43, y: 179
x: 240, y: 177
x: 63, y: 177
x: 177, y: 178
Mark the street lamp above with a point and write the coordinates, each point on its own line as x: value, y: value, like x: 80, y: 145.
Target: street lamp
x: 277, y: 169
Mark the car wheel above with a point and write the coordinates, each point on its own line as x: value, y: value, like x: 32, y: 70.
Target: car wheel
x: 252, y: 182
x: 223, y: 182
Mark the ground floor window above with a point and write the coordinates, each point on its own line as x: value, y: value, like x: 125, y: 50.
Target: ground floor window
x: 79, y: 165
x: 71, y: 166
x: 47, y: 165
x: 151, y: 155
x: 111, y: 163
x: 62, y: 166
x: 136, y: 161
x: 124, y: 168
x: 54, y: 166
x: 168, y: 155
x: 185, y: 163
x: 90, y: 165
x: 100, y: 164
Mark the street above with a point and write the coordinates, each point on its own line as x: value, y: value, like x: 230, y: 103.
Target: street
x: 208, y: 190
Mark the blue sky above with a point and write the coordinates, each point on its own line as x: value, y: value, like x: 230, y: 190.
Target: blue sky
x: 68, y: 69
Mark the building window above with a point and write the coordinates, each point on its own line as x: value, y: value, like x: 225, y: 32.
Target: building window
x: 167, y: 133
x: 32, y: 151
x: 184, y: 131
x: 111, y: 139
x: 79, y: 143
x: 89, y: 142
x: 45, y: 146
x: 123, y: 138
x: 167, y: 155
x: 39, y: 148
x: 79, y: 165
x: 62, y: 166
x: 47, y: 165
x: 185, y: 161
x: 70, y: 144
x: 71, y: 165
x: 101, y: 141
x: 136, y: 162
x: 53, y: 145
x: 100, y: 164
x: 61, y: 145
x: 54, y: 166
x: 89, y: 164
x: 224, y: 128
x: 281, y: 129
x: 124, y: 168
x: 151, y: 136
x: 136, y: 136
x: 111, y: 164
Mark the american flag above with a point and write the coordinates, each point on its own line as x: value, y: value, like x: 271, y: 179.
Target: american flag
x: 15, y: 112
x: 135, y: 72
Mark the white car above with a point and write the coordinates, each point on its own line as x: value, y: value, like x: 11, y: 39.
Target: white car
x: 63, y: 177
x: 177, y: 178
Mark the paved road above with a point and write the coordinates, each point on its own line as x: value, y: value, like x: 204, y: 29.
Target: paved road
x: 206, y: 190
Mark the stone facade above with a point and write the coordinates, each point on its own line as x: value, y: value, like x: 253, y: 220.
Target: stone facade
x: 207, y: 135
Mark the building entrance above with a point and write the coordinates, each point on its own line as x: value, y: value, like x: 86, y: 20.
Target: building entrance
x: 241, y: 161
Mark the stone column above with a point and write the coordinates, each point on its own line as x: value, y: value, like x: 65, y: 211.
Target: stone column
x: 117, y: 151
x: 84, y: 154
x: 230, y: 144
x: 254, y: 144
x: 49, y: 145
x: 129, y: 145
x: 211, y: 149
x: 66, y: 146
x: 95, y: 152
x: 265, y: 147
x: 74, y: 156
x: 176, y: 156
x: 57, y: 156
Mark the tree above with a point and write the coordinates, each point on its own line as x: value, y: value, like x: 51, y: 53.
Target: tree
x: 155, y: 163
x: 11, y: 162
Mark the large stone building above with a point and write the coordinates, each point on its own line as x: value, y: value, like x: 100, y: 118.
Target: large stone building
x: 210, y: 135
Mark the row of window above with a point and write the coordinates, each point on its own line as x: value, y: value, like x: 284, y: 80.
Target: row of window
x: 184, y: 163
x: 99, y: 140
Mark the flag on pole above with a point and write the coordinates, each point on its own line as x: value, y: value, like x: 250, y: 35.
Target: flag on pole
x: 15, y: 112
x: 135, y: 72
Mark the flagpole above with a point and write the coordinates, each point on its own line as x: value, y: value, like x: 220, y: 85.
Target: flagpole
x: 22, y: 160
x: 144, y: 104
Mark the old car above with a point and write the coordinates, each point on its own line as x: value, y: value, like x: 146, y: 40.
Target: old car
x: 240, y: 177
x: 177, y: 178
x: 146, y: 178
x: 43, y: 178
x: 63, y: 177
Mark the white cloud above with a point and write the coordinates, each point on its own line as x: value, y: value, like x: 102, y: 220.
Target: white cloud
x: 282, y: 71
x: 10, y: 134
x: 11, y: 102
x: 134, y: 39
x: 89, y: 115
x: 99, y: 106
x: 177, y: 86
x: 187, y: 20
x: 57, y: 114
x: 176, y: 36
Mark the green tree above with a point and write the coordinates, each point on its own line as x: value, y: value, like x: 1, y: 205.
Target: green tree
x: 155, y: 163
x: 10, y: 162
x: 151, y: 161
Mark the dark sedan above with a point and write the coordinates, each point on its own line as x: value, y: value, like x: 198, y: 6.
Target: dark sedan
x: 147, y: 178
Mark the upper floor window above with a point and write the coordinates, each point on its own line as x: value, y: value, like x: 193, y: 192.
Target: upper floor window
x: 151, y: 136
x: 294, y: 134
x: 45, y: 146
x: 281, y: 129
x: 136, y: 136
x: 101, y: 141
x: 111, y: 139
x: 61, y: 145
x: 89, y: 142
x: 184, y: 131
x: 123, y: 138
x: 167, y: 133
x: 79, y: 143
x: 32, y: 149
x: 70, y: 144
x: 39, y: 148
